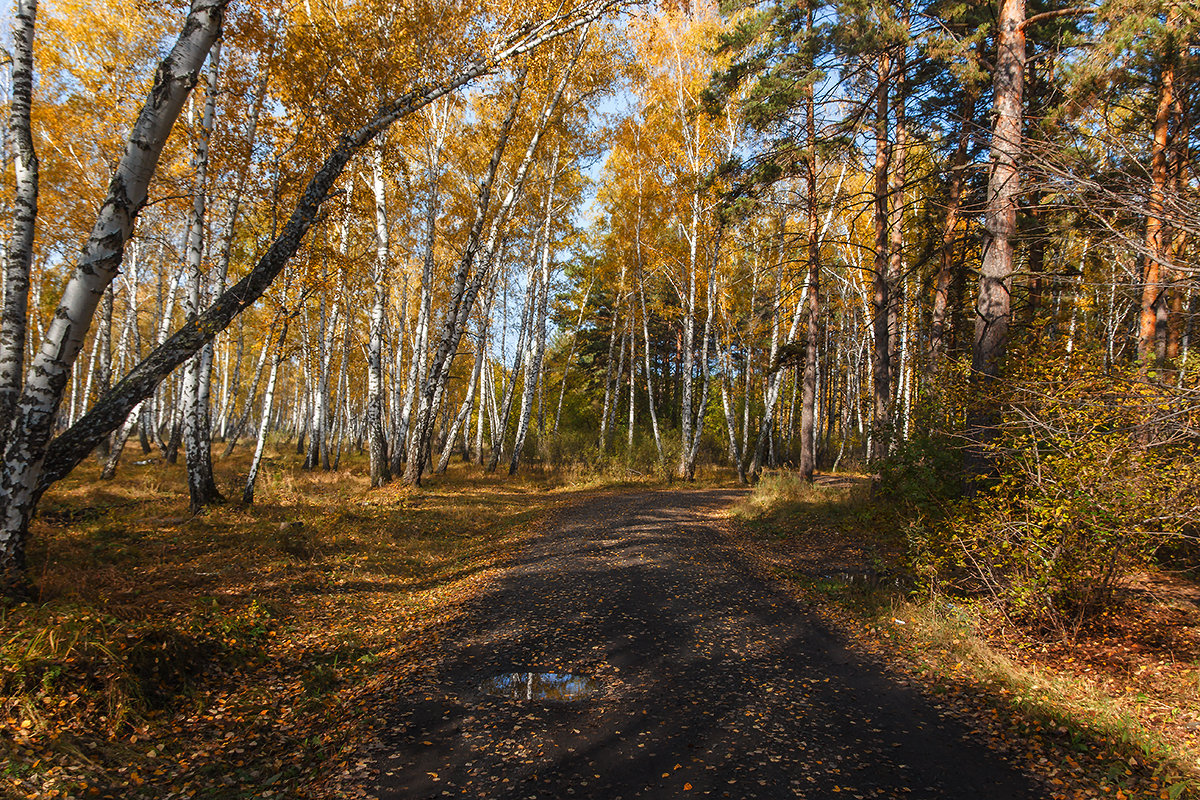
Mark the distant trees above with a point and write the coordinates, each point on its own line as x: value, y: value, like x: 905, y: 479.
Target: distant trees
x: 809, y: 242
x: 33, y: 457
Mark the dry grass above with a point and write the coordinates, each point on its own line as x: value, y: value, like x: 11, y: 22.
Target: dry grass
x: 241, y: 653
x: 1115, y: 713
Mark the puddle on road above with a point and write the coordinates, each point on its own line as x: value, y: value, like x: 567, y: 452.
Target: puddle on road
x: 542, y: 686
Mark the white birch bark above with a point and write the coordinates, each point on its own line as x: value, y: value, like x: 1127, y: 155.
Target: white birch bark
x: 658, y: 445
x: 239, y: 426
x: 521, y: 357
x: 18, y: 255
x: 533, y: 372
x: 463, y: 293
x: 30, y: 461
x: 96, y: 268
x: 267, y: 407
x: 197, y: 434
x: 376, y: 442
x: 464, y: 411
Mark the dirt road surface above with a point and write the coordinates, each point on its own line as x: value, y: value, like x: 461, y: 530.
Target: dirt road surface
x: 708, y: 681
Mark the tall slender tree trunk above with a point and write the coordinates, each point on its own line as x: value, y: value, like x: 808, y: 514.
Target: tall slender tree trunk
x: 1152, y: 340
x: 466, y: 287
x: 653, y: 407
x: 880, y: 290
x: 993, y: 308
x: 376, y: 442
x: 197, y: 433
x: 898, y: 163
x: 268, y: 404
x: 18, y: 255
x: 533, y: 372
x: 808, y: 401
x: 947, y: 262
x: 239, y: 426
x: 688, y: 354
x: 464, y: 412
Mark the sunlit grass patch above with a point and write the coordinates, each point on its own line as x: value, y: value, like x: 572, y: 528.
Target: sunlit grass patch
x: 260, y: 637
x: 1090, y: 725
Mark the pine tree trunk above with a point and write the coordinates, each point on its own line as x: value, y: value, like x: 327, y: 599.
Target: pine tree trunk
x: 993, y: 308
x: 1152, y: 340
x: 880, y: 296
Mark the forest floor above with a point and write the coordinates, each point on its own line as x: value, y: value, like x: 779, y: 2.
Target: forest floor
x: 250, y: 652
x: 238, y: 653
x: 710, y: 681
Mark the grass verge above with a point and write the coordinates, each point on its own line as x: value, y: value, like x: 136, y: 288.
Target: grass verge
x: 245, y: 652
x: 1114, y: 713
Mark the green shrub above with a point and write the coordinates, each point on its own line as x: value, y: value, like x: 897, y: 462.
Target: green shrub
x: 1088, y: 482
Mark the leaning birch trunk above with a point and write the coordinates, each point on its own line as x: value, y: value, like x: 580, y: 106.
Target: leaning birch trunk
x: 533, y: 371
x: 114, y: 455
x: 460, y: 295
x: 464, y: 412
x: 464, y: 292
x: 18, y: 255
x: 26, y: 447
x: 197, y: 433
x: 520, y: 359
x: 238, y: 427
x: 608, y: 364
x: 658, y: 445
x: 225, y: 248
x: 267, y: 407
x: 418, y: 364
x: 31, y: 462
x: 128, y: 328
x: 376, y: 444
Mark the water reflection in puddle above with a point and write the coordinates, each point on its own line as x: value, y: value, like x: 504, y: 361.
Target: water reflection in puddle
x: 541, y: 686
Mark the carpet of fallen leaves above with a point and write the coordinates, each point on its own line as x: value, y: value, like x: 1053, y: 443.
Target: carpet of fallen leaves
x: 1111, y: 711
x: 244, y: 652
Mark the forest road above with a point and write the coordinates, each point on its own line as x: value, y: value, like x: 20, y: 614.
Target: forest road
x: 711, y: 681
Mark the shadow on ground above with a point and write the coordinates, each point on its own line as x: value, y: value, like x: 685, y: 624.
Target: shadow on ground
x: 713, y: 682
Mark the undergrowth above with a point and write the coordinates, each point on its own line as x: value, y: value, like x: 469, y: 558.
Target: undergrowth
x: 1085, y: 722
